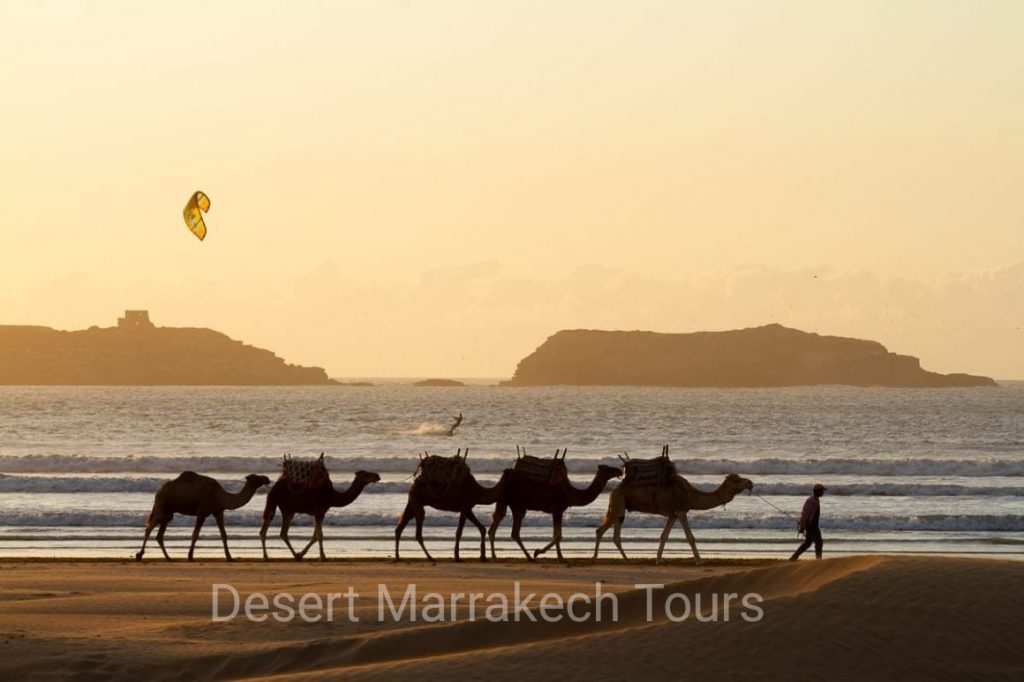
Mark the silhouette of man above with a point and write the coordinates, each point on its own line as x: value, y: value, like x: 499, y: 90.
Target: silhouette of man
x: 458, y: 421
x: 809, y: 523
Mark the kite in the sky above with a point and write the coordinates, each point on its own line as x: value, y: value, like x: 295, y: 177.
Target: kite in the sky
x: 194, y: 209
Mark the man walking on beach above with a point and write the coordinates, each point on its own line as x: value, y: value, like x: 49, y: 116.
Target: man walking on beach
x: 809, y: 523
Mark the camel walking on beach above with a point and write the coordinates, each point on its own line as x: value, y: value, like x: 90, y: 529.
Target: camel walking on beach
x: 200, y: 496
x: 315, y: 502
x: 672, y: 499
x: 553, y: 496
x: 450, y: 488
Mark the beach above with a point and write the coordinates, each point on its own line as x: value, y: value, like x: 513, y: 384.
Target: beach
x: 845, y: 618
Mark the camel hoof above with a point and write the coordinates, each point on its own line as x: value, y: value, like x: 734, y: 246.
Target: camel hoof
x: 229, y: 558
x: 138, y: 556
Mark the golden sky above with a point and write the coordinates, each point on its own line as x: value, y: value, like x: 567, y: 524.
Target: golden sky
x: 432, y: 188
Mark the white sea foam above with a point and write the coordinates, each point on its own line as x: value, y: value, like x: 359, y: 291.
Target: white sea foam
x: 21, y: 483
x: 918, y: 466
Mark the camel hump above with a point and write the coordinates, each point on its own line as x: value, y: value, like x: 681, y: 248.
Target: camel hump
x: 189, y: 476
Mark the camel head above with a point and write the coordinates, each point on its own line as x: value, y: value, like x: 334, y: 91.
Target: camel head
x: 736, y: 484
x: 256, y: 481
x: 367, y: 477
x: 608, y: 473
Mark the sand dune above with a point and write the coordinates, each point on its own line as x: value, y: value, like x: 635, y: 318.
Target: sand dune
x: 849, y: 618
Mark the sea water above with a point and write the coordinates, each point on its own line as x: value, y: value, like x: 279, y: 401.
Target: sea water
x: 907, y: 471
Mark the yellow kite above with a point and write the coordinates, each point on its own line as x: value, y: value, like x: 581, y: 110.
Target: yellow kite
x: 194, y: 209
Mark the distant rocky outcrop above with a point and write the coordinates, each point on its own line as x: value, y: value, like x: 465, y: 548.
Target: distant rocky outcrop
x: 439, y: 382
x: 772, y: 355
x: 138, y: 353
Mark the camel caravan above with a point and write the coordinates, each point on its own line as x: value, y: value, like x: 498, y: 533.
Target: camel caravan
x: 540, y: 484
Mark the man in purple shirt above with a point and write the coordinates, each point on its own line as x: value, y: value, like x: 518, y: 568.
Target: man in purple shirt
x: 809, y: 523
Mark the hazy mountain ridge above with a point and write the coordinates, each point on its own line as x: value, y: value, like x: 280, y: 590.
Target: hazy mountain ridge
x: 766, y: 356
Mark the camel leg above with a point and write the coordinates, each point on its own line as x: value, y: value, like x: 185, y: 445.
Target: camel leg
x: 149, y: 529
x: 160, y: 537
x: 556, y: 537
x: 219, y: 516
x: 476, y: 522
x: 458, y: 534
x: 614, y: 516
x: 605, y: 525
x: 517, y: 523
x: 671, y: 521
x: 268, y: 517
x: 286, y: 524
x: 403, y: 521
x: 200, y: 519
x: 319, y: 535
x: 420, y: 514
x: 617, y: 537
x: 312, y: 539
x: 496, y: 518
x: 689, y: 536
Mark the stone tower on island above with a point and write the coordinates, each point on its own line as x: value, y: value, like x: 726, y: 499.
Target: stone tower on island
x: 135, y: 319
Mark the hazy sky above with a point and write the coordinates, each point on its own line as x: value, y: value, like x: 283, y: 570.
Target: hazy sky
x: 432, y: 188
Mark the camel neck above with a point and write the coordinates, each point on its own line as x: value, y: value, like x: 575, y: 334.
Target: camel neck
x: 239, y: 499
x: 491, y: 495
x: 341, y: 498
x: 581, y: 497
x: 701, y: 499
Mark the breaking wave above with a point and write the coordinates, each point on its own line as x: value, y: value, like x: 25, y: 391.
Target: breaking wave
x: 149, y: 484
x: 69, y: 464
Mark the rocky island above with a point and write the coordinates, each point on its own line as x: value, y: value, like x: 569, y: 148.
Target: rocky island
x: 439, y: 382
x: 766, y: 356
x: 136, y: 352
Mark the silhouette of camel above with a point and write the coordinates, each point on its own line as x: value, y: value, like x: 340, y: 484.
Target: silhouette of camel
x: 459, y: 497
x: 672, y: 499
x: 528, y: 493
x: 200, y: 496
x: 316, y: 503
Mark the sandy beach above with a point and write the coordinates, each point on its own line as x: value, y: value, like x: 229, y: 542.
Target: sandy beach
x: 849, y: 618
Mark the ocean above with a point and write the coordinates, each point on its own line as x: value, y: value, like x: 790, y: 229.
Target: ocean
x: 917, y: 471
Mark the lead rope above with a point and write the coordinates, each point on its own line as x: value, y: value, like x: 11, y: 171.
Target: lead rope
x: 776, y: 508
x: 779, y: 510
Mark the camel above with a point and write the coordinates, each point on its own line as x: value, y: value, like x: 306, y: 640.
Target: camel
x: 673, y: 500
x: 525, y: 493
x: 458, y: 497
x: 315, y: 502
x: 200, y: 496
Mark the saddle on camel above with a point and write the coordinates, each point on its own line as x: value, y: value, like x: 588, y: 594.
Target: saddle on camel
x: 541, y: 469
x: 446, y: 472
x: 303, y: 475
x: 654, y: 471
